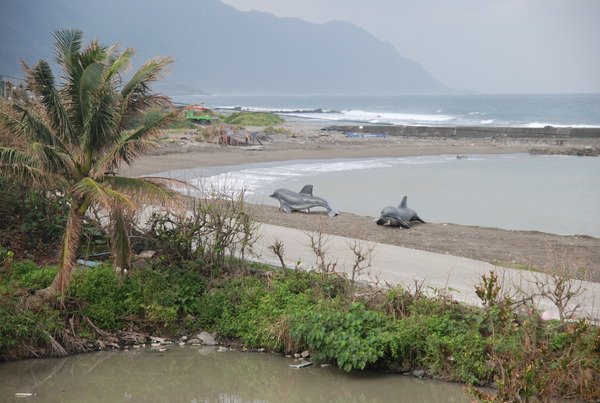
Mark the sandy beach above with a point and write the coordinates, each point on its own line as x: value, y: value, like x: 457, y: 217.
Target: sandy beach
x: 308, y: 141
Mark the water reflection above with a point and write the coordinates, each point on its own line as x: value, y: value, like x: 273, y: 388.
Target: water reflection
x: 185, y: 374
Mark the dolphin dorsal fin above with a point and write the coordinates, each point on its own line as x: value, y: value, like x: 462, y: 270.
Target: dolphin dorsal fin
x: 307, y: 190
x: 403, y: 202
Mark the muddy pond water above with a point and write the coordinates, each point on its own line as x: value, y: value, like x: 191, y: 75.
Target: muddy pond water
x: 187, y: 374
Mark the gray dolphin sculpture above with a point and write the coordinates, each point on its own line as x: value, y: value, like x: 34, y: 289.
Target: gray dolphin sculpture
x: 293, y: 201
x: 398, y: 216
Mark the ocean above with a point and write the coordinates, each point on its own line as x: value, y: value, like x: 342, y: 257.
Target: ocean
x: 555, y: 194
x: 558, y: 110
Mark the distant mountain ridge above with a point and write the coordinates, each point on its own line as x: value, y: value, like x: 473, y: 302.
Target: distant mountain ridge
x: 218, y: 48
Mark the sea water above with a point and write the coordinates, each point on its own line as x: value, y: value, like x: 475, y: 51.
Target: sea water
x: 521, y: 110
x: 555, y: 194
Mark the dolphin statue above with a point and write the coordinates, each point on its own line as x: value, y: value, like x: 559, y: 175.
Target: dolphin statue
x: 292, y: 201
x: 398, y: 216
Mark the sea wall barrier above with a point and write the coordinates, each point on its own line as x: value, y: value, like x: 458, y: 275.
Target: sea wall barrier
x: 543, y: 133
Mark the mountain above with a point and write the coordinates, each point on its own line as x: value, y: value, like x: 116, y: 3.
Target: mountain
x: 218, y: 48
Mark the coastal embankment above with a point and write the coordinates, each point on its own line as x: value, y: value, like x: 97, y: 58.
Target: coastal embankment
x: 558, y: 136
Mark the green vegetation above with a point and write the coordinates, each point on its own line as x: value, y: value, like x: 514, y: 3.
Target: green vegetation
x: 290, y: 311
x: 252, y: 119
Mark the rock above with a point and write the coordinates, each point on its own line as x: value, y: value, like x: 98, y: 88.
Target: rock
x: 207, y: 339
x: 419, y: 373
x: 207, y: 350
x: 576, y: 151
x: 194, y: 341
x: 147, y: 253
x: 303, y: 364
x: 397, y: 366
x: 305, y: 354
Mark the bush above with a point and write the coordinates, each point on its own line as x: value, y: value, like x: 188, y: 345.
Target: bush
x: 33, y: 220
x: 105, y: 301
x: 217, y: 231
x: 25, y: 333
x: 258, y: 311
x: 154, y: 298
x: 27, y: 274
x: 352, y: 338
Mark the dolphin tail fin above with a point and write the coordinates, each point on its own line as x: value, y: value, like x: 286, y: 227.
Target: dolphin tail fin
x: 417, y: 218
x: 403, y: 204
x: 307, y: 190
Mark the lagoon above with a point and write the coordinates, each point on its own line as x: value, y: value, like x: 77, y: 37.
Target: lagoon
x: 554, y: 194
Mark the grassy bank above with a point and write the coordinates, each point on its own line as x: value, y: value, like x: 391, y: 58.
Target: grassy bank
x: 200, y: 279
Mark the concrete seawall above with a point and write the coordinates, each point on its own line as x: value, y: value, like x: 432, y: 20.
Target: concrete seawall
x: 548, y: 133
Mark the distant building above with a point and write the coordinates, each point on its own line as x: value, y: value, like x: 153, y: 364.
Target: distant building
x: 8, y: 84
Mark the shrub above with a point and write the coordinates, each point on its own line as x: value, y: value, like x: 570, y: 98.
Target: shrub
x: 258, y: 311
x: 352, y: 337
x: 27, y: 274
x: 218, y: 230
x: 25, y: 333
x: 32, y: 219
x: 105, y: 301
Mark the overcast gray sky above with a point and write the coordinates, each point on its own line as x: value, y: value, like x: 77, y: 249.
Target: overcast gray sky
x: 492, y: 46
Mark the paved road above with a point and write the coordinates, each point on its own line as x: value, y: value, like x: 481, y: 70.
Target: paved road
x: 397, y: 265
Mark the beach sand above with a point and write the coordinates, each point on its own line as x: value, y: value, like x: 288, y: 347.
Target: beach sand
x: 308, y: 141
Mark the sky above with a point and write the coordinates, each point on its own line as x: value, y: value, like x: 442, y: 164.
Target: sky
x: 488, y: 46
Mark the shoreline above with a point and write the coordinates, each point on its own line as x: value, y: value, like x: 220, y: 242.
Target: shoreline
x: 310, y: 141
x: 527, y: 249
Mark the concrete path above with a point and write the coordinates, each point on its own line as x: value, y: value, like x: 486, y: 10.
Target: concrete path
x: 397, y: 265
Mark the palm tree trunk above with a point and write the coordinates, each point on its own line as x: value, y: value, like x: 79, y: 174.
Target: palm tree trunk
x: 68, y: 255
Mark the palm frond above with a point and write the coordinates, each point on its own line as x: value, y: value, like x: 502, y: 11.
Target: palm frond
x: 147, y: 190
x: 101, y: 126
x: 119, y: 63
x: 41, y: 81
x: 99, y: 194
x: 21, y: 165
x: 136, y: 93
x: 53, y: 161
x: 133, y: 145
x: 29, y: 127
x: 85, y: 76
x: 68, y: 43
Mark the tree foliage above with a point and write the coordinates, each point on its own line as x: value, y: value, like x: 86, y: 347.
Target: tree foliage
x: 74, y: 138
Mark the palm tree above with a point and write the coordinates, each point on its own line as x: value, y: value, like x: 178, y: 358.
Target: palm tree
x: 76, y: 139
